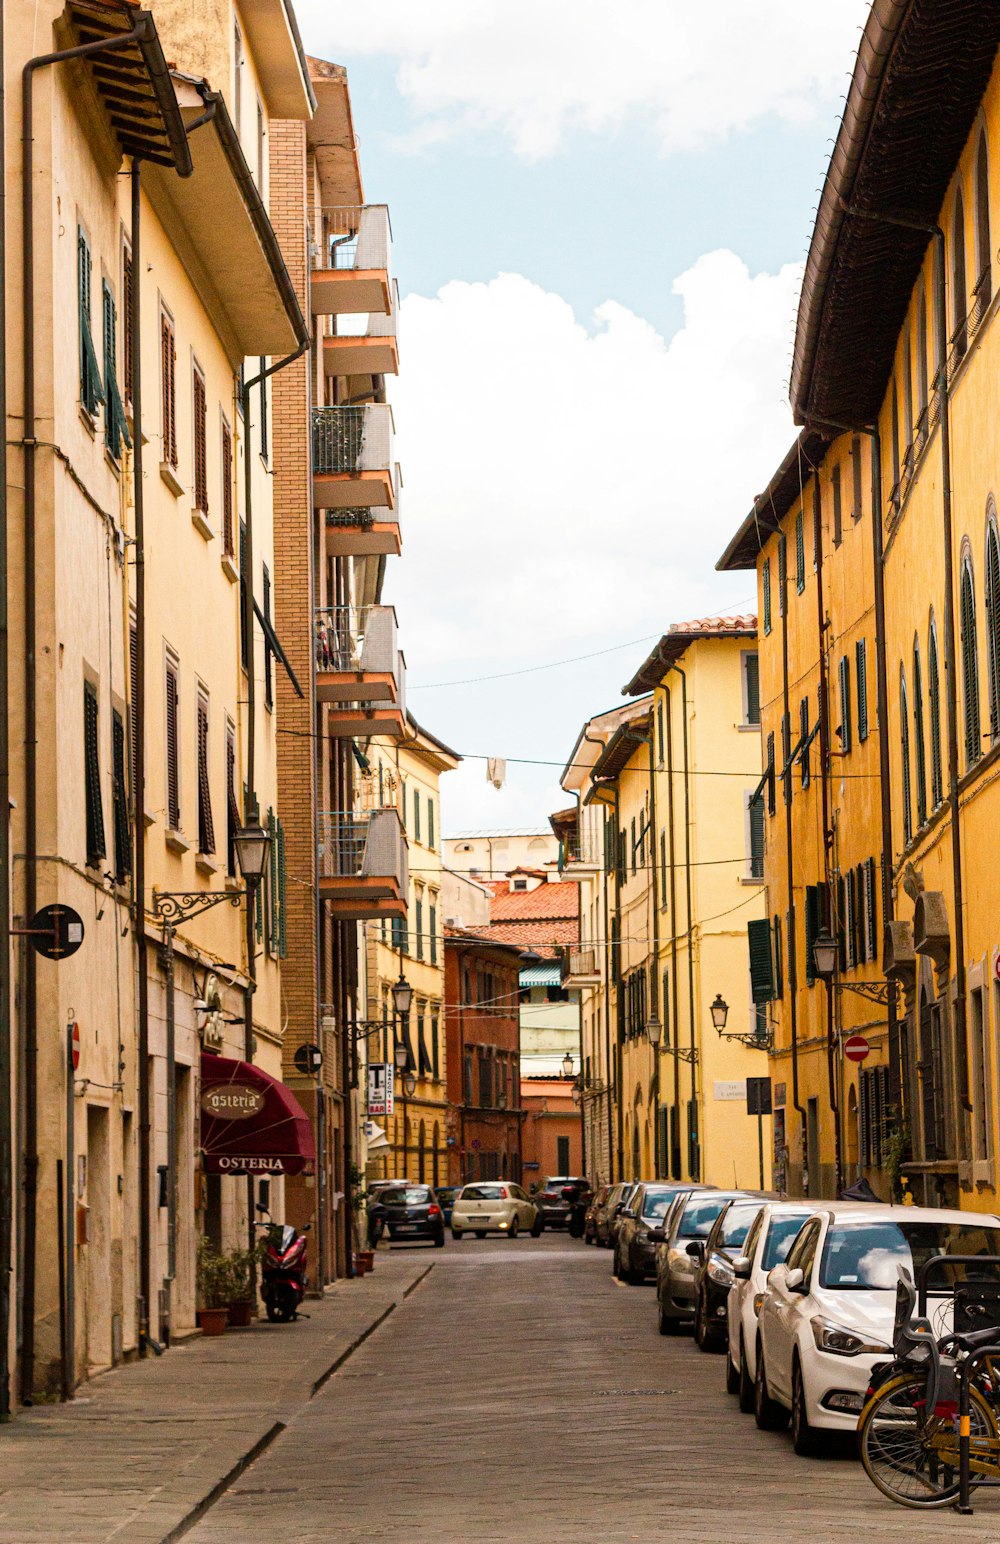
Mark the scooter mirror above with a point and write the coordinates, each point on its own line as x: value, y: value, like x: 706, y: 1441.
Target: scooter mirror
x: 262, y: 1208
x: 306, y: 1227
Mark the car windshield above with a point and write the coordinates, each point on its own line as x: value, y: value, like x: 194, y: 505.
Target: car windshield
x: 736, y: 1225
x: 698, y: 1216
x: 418, y: 1196
x: 657, y: 1203
x: 865, y: 1254
x: 780, y: 1237
x: 483, y: 1193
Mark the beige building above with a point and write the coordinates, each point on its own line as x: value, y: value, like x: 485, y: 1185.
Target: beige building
x: 492, y: 854
x: 144, y: 701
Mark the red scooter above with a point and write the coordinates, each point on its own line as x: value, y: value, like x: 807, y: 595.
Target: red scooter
x: 284, y: 1270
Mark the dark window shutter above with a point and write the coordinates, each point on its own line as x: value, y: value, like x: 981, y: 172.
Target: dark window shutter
x: 268, y: 656
x: 812, y: 923
x: 227, y: 490
x: 800, y: 552
x: 993, y: 625
x: 920, y: 765
x: 244, y: 652
x: 771, y: 796
x: 845, y: 704
x: 804, y: 759
x: 419, y: 951
x: 264, y: 426
x: 761, y: 972
x: 850, y: 921
x: 128, y: 374
x: 970, y: 668
x: 861, y: 915
x: 119, y: 792
x: 206, y: 827
x: 838, y: 532
x: 432, y: 933
x: 842, y: 922
x: 779, y: 983
x: 872, y: 905
x: 857, y: 508
x: 757, y: 839
x: 168, y: 390
x: 934, y: 704
x: 274, y: 887
x: 173, y: 752
x: 765, y: 583
x: 133, y: 665
x: 96, y: 848
x: 752, y: 671
x: 282, y: 886
x: 430, y: 824
x: 904, y: 735
x: 864, y: 1124
x: 861, y: 672
x: 200, y: 407
x: 232, y: 808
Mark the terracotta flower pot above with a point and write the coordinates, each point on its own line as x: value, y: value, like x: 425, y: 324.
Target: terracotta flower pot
x: 366, y: 1260
x: 213, y: 1320
x: 241, y: 1314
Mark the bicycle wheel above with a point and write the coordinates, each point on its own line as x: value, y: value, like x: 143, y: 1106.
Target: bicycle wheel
x: 912, y: 1459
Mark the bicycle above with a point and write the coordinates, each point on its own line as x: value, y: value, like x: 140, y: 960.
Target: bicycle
x: 910, y: 1430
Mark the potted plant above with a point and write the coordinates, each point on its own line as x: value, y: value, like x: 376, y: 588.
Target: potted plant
x: 215, y: 1280
x: 241, y: 1303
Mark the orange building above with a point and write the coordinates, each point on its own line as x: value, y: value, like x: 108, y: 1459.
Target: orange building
x: 484, y: 1080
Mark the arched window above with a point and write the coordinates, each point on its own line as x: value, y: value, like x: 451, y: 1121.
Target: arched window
x: 984, y: 255
x: 970, y: 665
x: 959, y: 316
x: 919, y: 764
x: 992, y: 589
x: 934, y: 710
x: 904, y: 741
x: 923, y: 423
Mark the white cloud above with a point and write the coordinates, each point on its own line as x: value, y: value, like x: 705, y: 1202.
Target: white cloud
x: 568, y: 489
x: 537, y: 70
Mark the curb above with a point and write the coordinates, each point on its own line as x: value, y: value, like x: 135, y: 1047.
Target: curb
x: 199, y: 1509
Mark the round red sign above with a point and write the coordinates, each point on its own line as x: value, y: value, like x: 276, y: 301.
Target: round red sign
x: 856, y: 1048
x: 74, y: 1045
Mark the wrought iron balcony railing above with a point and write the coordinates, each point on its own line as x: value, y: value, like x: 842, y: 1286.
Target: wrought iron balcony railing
x: 352, y: 439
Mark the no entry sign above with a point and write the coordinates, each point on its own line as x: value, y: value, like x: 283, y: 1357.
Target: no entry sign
x: 856, y: 1048
x: 74, y: 1046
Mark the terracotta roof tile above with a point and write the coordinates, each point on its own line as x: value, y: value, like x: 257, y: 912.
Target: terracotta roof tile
x: 544, y: 935
x: 558, y: 899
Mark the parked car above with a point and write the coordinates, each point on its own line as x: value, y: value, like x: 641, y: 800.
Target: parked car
x: 827, y: 1314
x: 410, y: 1213
x: 609, y: 1219
x: 640, y: 1229
x: 771, y: 1236
x: 446, y: 1196
x: 715, y: 1276
x: 493, y: 1206
x: 553, y: 1206
x: 590, y: 1220
x: 679, y: 1256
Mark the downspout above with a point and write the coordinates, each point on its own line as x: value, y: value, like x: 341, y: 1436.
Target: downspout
x: 6, y: 1082
x: 616, y: 966
x: 694, y: 1147
x: 654, y: 986
x: 609, y: 1095
x: 675, y: 1167
x: 823, y: 705
x: 29, y: 445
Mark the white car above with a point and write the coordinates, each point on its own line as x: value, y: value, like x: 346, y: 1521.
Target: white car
x: 492, y: 1206
x: 772, y: 1234
x: 828, y: 1311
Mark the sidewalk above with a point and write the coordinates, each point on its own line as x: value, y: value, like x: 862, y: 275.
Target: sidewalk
x: 141, y: 1451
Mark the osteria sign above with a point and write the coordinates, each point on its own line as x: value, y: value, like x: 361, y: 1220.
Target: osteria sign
x: 232, y: 1101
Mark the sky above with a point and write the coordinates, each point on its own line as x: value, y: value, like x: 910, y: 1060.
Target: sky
x: 600, y: 217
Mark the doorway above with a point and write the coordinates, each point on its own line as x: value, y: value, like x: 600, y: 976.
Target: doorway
x: 98, y: 1269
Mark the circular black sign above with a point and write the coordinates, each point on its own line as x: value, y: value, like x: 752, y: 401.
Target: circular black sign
x: 57, y: 931
x: 308, y: 1058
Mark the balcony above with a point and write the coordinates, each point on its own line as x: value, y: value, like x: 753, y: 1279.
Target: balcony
x: 580, y: 966
x: 364, y: 344
x: 351, y: 270
x: 352, y: 457
x: 360, y: 670
x: 361, y: 532
x: 363, y: 864
x: 580, y: 852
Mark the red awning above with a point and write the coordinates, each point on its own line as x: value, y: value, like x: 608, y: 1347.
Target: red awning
x: 251, y: 1123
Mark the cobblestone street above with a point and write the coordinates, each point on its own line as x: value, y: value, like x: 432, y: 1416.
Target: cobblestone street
x: 520, y: 1394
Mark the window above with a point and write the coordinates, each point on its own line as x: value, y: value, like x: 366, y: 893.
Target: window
x: 755, y: 838
x: 800, y: 553
x: 91, y: 393
x: 432, y: 919
x: 838, y: 530
x: 129, y: 372
x: 959, y: 317
x: 227, y: 490
x: 265, y: 428
x: 984, y: 276
x: 199, y: 422
x: 992, y: 589
x: 778, y: 959
x: 276, y: 882
x: 919, y: 763
x: 812, y: 928
x: 467, y: 1095
x: 634, y: 847
x: 845, y: 704
x: 168, y: 390
x: 907, y: 405
x: 172, y: 702
x: 419, y: 914
x: 751, y: 688
x: 870, y: 910
x: 765, y: 587
x: 436, y: 1042
x: 268, y: 655
x: 96, y: 848
x: 761, y: 964
x: 857, y: 498
x: 934, y: 707
x: 562, y: 1155
x: 416, y: 814
x: 115, y: 425
x: 431, y: 842
x: 804, y: 759
x: 861, y: 673
x: 970, y: 665
x: 904, y: 735
x: 659, y: 731
x: 206, y: 827
x: 771, y: 800
x: 232, y: 808
x: 119, y: 800
x: 982, y: 1116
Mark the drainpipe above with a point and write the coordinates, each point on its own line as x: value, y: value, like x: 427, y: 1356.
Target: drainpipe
x: 654, y: 991
x: 29, y: 444
x: 6, y: 1089
x: 694, y: 1147
x: 616, y: 966
x: 596, y: 740
x: 674, y: 993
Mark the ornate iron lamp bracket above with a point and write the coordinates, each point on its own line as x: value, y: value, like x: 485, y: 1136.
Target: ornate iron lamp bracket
x: 875, y: 991
x: 173, y: 906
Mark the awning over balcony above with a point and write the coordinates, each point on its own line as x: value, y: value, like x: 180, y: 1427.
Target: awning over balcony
x: 251, y: 1123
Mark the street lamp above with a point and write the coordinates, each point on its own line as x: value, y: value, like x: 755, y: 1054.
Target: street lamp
x: 567, y: 1066
x: 400, y: 1055
x: 251, y: 843
x: 654, y: 1031
x: 720, y: 1012
x: 410, y: 1084
x: 402, y: 996
x: 825, y: 955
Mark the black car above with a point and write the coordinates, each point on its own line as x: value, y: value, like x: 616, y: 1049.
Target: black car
x: 554, y: 1197
x: 714, y: 1276
x: 692, y: 1216
x: 411, y: 1214
x: 640, y: 1229
x: 445, y: 1196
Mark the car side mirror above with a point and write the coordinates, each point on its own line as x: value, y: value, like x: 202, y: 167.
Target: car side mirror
x: 795, y: 1281
x: 741, y: 1268
x: 696, y: 1251
x: 619, y: 1208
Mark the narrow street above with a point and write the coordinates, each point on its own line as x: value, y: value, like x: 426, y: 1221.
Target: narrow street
x: 519, y: 1393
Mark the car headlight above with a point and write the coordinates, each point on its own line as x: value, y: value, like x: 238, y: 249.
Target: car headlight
x: 720, y: 1271
x: 843, y: 1342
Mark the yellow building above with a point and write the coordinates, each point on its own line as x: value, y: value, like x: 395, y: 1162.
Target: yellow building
x: 664, y: 1093
x: 141, y: 730
x: 407, y: 776
x: 894, y: 382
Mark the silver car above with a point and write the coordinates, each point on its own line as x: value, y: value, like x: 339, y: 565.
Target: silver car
x: 679, y: 1257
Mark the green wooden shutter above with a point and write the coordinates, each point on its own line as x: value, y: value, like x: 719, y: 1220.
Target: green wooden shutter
x: 800, y: 553
x: 96, y: 848
x: 757, y: 839
x: 771, y: 796
x: 752, y: 672
x: 115, y: 423
x: 282, y: 884
x: 970, y: 668
x: 761, y: 972
x: 765, y: 582
x: 91, y: 393
x: 993, y: 625
x: 871, y: 904
x: 934, y: 703
x: 861, y: 672
x: 430, y: 823
x: 904, y: 738
x: 920, y: 765
x: 804, y: 759
x: 777, y: 951
x: 845, y: 704
x: 274, y: 896
x: 122, y: 832
x: 841, y: 922
x: 812, y: 922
